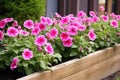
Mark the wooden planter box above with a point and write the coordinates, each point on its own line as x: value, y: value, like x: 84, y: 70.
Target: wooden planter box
x: 95, y: 66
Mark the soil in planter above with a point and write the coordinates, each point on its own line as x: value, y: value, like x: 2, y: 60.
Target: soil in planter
x: 10, y: 75
x: 115, y: 76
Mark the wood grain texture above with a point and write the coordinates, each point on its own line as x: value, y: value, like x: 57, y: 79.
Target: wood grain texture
x: 91, y: 64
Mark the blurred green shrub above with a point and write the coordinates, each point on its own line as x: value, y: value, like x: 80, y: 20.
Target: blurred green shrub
x: 22, y: 9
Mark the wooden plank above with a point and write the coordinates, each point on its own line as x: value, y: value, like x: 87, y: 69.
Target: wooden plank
x: 83, y: 5
x: 72, y: 7
x: 62, y: 7
x: 109, y: 6
x: 98, y: 71
x: 93, y: 5
x: 69, y: 68
x: 117, y: 6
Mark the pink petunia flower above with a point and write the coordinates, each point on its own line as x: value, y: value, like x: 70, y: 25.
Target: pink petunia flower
x: 15, y: 23
x: 19, y: 28
x: 95, y: 19
x: 64, y: 36
x: 81, y: 14
x: 49, y: 21
x: 43, y: 19
x: 1, y: 35
x: 53, y: 33
x: 8, y: 20
x: 105, y: 18
x: 27, y: 54
x: 41, y: 26
x: 12, y: 32
x: 14, y: 63
x: 68, y: 42
x: 2, y: 23
x: 23, y: 32
x: 112, y: 15
x: 102, y: 8
x: 92, y: 13
x: 40, y: 40
x: 64, y: 20
x: 49, y: 49
x: 92, y: 35
x: 58, y: 15
x: 81, y: 27
x: 39, y: 48
x: 72, y: 30
x: 35, y: 31
x: 48, y: 36
x: 114, y: 23
x: 28, y: 24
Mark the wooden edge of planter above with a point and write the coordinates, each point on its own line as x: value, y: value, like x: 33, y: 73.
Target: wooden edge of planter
x: 74, y: 67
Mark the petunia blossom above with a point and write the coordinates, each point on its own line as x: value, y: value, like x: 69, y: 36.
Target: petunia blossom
x: 81, y: 14
x: 72, y: 30
x: 114, y: 23
x: 81, y: 27
x: 41, y: 26
x: 49, y: 21
x: 12, y: 32
x: 8, y: 20
x: 1, y: 35
x: 49, y: 49
x: 15, y: 23
x: 64, y: 20
x: 35, y: 31
x: 68, y: 42
x: 27, y: 54
x: 23, y: 32
x: 2, y: 23
x: 105, y: 18
x: 40, y: 40
x: 92, y: 35
x: 43, y: 19
x: 14, y: 63
x: 92, y: 13
x: 102, y: 8
x: 64, y: 36
x: 28, y: 24
x: 53, y: 33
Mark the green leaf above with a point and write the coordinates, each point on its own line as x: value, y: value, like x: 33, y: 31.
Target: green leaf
x: 74, y: 46
x: 73, y: 53
x: 58, y: 56
x: 43, y: 64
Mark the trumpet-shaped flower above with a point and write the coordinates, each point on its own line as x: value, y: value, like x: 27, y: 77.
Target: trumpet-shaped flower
x: 64, y: 36
x: 24, y: 33
x: 41, y: 26
x: 40, y: 40
x: 72, y: 30
x: 12, y: 32
x: 35, y: 31
x: 1, y: 35
x: 81, y: 27
x: 2, y: 23
x: 68, y: 42
x: 105, y: 18
x: 49, y: 49
x: 92, y: 35
x: 114, y: 23
x: 27, y: 54
x: 28, y: 24
x: 14, y: 63
x: 53, y: 33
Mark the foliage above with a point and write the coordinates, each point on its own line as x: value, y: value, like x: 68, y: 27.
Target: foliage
x: 39, y: 45
x: 22, y: 9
